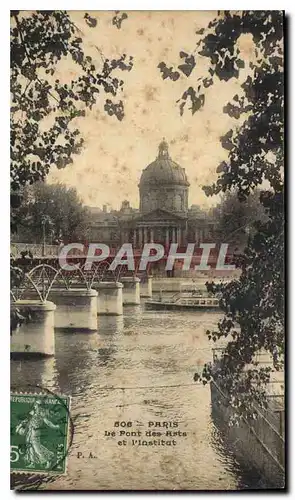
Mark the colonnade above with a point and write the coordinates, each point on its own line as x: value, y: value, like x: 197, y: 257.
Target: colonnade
x: 173, y: 234
x: 142, y: 235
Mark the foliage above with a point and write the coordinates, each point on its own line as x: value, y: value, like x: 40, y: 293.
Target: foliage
x: 119, y: 18
x: 235, y: 220
x: 44, y: 110
x: 56, y: 207
x: 16, y: 318
x: 253, y: 305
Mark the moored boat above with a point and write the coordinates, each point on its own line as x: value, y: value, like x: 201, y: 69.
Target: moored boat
x: 184, y: 300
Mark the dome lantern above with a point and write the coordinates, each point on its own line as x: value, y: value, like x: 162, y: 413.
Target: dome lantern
x: 163, y: 149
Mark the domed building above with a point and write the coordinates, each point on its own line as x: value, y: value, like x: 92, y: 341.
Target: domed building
x: 164, y: 185
x: 163, y: 216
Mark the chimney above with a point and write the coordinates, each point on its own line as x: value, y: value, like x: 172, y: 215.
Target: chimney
x: 104, y: 209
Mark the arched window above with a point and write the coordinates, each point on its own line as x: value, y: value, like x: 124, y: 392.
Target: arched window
x: 178, y: 202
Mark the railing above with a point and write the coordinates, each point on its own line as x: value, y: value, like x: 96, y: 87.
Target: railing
x: 266, y: 429
x: 263, y: 358
x: 40, y: 280
x: 35, y: 249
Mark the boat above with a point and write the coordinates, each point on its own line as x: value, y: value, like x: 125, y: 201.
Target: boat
x: 186, y: 299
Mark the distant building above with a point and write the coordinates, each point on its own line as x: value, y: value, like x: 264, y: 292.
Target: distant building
x: 163, y: 215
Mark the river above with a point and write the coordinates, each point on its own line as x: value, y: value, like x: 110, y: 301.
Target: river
x: 138, y: 368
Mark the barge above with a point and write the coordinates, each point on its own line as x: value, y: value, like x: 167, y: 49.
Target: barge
x: 184, y: 300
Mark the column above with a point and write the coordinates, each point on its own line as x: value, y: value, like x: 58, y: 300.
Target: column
x: 134, y: 238
x: 36, y: 337
x: 196, y: 235
x: 146, y: 287
x: 145, y: 235
x: 76, y: 309
x: 110, y: 298
x: 131, y: 291
x: 178, y: 235
x: 152, y: 236
x: 167, y: 236
x: 185, y: 234
x: 140, y: 236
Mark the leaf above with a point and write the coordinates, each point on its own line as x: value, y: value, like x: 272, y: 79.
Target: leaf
x: 222, y: 167
x: 119, y: 18
x: 189, y: 64
x: 168, y: 72
x: 90, y: 21
x: 197, y: 101
x: 240, y: 63
x: 226, y: 141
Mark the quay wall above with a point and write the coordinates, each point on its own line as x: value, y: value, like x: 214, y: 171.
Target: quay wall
x: 257, y: 443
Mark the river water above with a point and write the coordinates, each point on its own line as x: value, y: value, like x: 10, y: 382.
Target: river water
x: 138, y: 368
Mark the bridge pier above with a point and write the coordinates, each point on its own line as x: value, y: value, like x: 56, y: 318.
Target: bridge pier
x: 131, y: 291
x: 110, y: 298
x: 35, y: 338
x: 146, y: 288
x: 76, y: 309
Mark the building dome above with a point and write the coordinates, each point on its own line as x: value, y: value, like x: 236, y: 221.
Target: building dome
x: 163, y: 184
x: 163, y: 170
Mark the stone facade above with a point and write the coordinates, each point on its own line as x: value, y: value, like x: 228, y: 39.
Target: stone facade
x: 163, y: 216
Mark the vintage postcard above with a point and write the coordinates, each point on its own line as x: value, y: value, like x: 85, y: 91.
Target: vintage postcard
x: 147, y: 250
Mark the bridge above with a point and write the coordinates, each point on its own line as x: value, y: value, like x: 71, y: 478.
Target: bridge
x: 53, y: 297
x: 45, y: 297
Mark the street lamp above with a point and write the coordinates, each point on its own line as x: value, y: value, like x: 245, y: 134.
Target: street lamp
x: 248, y: 233
x: 45, y: 219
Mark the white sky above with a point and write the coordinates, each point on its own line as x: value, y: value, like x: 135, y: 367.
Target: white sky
x: 109, y: 167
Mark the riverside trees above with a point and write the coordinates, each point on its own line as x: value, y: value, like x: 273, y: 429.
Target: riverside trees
x: 235, y: 219
x: 254, y: 304
x: 56, y: 206
x: 45, y: 110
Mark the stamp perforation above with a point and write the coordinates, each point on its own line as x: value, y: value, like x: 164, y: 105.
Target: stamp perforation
x: 30, y: 425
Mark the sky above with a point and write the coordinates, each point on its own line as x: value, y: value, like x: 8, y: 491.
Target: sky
x: 109, y: 167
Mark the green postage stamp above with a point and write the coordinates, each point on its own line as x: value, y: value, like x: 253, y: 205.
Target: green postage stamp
x: 39, y: 433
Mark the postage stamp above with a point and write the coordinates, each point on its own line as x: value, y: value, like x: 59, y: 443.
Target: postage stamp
x: 39, y: 433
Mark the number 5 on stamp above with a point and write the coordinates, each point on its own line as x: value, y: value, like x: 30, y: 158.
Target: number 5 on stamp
x: 39, y: 433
